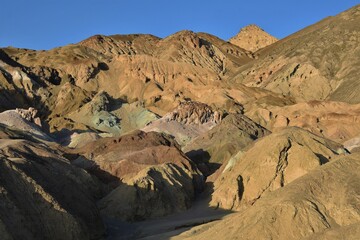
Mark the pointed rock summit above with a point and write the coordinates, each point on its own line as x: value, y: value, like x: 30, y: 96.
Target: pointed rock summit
x: 252, y: 38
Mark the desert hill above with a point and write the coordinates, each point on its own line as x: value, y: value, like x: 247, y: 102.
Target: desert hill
x: 317, y: 63
x: 307, y: 208
x: 252, y: 38
x: 278, y: 158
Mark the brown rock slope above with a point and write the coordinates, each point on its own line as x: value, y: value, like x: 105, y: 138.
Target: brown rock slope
x: 271, y: 163
x: 125, y: 156
x: 323, y: 203
x: 154, y: 191
x: 252, y: 38
x: 319, y: 62
x: 157, y: 178
x: 42, y: 195
x: 216, y: 146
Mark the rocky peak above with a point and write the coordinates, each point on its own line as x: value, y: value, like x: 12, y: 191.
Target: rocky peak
x: 252, y: 38
x: 186, y: 37
x: 190, y: 112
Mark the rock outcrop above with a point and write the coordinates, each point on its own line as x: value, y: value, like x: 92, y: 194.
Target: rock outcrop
x: 252, y: 38
x: 337, y: 121
x: 125, y: 156
x: 30, y: 115
x: 96, y: 114
x: 193, y: 113
x: 24, y: 120
x: 187, y: 121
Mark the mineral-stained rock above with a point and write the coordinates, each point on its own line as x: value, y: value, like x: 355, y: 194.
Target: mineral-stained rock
x: 125, y: 156
x: 157, y: 177
x: 186, y: 122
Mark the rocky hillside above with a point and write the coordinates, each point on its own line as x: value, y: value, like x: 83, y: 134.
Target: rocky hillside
x: 40, y: 188
x: 287, y: 155
x: 308, y: 208
x: 319, y: 62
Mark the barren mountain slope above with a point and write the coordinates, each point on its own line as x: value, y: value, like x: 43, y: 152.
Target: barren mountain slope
x: 153, y: 192
x: 122, y: 44
x: 325, y: 202
x: 40, y: 189
x: 271, y: 163
x: 316, y: 63
x: 156, y: 73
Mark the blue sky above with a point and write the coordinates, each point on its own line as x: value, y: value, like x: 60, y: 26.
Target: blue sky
x: 44, y: 24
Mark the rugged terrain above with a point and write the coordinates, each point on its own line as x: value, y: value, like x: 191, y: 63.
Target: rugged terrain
x: 135, y: 136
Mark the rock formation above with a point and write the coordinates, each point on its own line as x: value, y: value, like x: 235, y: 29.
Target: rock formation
x: 187, y: 121
x: 193, y: 113
x: 125, y: 156
x: 333, y: 120
x: 317, y: 63
x: 252, y: 38
x: 30, y: 115
x: 24, y: 120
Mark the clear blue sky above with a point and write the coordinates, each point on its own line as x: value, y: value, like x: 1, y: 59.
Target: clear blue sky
x: 44, y: 24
